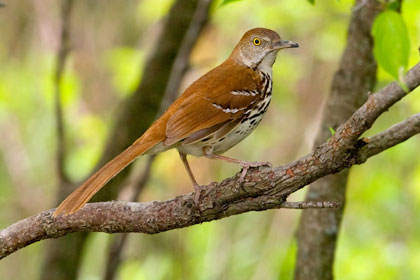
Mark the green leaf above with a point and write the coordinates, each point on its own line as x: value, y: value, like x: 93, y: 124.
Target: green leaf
x: 392, y: 44
x: 312, y: 2
x: 332, y: 131
x: 393, y: 5
x: 225, y: 2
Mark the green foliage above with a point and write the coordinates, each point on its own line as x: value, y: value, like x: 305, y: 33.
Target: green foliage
x: 374, y: 237
x: 394, y: 5
x: 332, y: 131
x: 392, y: 44
x: 225, y: 2
x: 123, y: 64
x: 312, y: 2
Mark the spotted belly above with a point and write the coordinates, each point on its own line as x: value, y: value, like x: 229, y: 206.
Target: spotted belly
x: 248, y: 123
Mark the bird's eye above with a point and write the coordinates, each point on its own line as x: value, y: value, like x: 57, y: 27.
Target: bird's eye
x: 257, y: 41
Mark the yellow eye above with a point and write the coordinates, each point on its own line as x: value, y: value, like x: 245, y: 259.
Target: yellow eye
x: 257, y: 41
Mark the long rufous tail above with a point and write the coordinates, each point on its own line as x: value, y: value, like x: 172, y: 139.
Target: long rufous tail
x: 84, y: 192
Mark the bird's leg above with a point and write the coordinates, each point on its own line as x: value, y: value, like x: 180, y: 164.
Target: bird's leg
x: 208, y: 152
x: 197, y: 187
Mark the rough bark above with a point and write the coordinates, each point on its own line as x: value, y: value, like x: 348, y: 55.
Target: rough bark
x: 318, y: 230
x: 136, y: 114
x: 263, y: 188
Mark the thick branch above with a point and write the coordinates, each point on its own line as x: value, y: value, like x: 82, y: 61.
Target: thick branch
x: 262, y: 189
x: 265, y: 188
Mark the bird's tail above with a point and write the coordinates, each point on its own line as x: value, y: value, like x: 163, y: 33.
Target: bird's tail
x: 84, y: 192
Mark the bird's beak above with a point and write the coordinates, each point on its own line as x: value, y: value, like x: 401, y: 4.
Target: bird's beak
x: 284, y: 44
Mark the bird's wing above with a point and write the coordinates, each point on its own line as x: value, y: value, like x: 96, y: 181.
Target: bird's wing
x: 212, y: 101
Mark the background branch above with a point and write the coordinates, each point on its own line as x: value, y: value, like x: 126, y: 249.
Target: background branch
x: 263, y: 188
x: 61, y: 59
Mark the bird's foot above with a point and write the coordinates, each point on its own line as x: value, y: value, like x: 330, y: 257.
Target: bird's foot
x: 246, y: 165
x: 197, y: 188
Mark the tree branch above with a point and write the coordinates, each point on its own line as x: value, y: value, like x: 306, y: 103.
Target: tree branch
x: 263, y: 188
x: 199, y: 20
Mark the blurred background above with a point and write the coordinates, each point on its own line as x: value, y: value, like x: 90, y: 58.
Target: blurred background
x: 111, y: 41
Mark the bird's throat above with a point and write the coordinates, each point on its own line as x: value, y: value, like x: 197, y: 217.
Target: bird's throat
x: 266, y: 64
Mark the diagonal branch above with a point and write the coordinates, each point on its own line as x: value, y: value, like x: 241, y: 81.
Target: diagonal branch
x: 267, y: 189
x: 263, y: 188
x: 376, y: 104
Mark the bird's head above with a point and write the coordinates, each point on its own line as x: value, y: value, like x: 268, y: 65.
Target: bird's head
x: 258, y: 48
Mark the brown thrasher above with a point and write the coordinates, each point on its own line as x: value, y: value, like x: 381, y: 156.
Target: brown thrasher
x: 212, y: 115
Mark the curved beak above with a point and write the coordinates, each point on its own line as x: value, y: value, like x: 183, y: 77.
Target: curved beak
x: 284, y: 44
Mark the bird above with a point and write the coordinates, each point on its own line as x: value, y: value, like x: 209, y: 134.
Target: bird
x: 212, y: 115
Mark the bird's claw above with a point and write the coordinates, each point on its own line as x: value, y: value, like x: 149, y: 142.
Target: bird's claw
x: 247, y: 165
x: 258, y: 164
x: 197, y: 192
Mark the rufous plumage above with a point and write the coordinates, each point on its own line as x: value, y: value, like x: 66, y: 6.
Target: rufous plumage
x: 213, y: 114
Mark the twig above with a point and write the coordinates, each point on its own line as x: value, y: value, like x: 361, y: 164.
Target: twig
x: 310, y: 204
x: 262, y: 189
